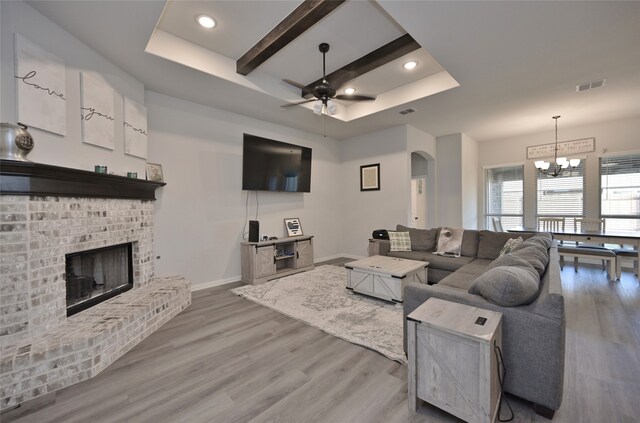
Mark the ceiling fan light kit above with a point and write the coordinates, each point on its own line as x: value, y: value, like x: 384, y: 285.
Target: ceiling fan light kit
x: 324, y: 92
x: 561, y: 164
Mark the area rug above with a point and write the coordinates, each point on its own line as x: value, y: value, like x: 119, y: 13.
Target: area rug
x: 319, y: 298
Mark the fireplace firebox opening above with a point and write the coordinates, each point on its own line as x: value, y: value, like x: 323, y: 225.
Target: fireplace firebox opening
x: 94, y: 276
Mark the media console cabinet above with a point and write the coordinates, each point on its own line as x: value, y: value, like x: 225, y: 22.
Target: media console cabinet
x: 266, y: 260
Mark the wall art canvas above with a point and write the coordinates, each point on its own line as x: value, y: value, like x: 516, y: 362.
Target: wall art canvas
x: 135, y: 128
x: 40, y: 79
x: 98, y: 122
x: 370, y: 177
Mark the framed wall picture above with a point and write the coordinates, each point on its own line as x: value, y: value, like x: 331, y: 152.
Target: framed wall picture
x: 370, y: 177
x: 41, y: 87
x: 294, y: 228
x: 154, y: 172
x: 135, y: 128
x: 98, y: 111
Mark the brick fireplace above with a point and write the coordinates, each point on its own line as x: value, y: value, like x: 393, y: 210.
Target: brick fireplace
x: 41, y: 350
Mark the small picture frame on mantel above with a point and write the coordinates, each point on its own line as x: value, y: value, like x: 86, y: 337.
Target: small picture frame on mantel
x: 154, y: 172
x: 370, y: 177
x: 294, y: 228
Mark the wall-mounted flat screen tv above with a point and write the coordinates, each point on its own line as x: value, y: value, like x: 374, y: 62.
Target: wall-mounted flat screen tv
x: 269, y: 165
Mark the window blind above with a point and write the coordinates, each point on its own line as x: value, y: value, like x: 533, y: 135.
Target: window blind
x: 620, y: 192
x: 562, y: 196
x: 504, y: 195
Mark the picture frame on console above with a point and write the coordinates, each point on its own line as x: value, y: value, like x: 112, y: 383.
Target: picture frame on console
x: 154, y: 172
x: 370, y: 177
x: 294, y: 228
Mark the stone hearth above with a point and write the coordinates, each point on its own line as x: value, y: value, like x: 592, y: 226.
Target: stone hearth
x: 41, y: 350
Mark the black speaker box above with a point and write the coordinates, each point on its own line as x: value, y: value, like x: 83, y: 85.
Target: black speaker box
x: 254, y: 231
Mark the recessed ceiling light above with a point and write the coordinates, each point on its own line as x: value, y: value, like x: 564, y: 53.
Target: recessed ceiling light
x: 206, y: 21
x: 349, y: 91
x: 410, y: 65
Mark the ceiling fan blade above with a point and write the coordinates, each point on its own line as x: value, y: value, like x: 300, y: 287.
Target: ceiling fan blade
x: 298, y: 102
x: 354, y: 97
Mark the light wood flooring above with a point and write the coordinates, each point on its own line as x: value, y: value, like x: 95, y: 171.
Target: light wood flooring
x: 226, y: 359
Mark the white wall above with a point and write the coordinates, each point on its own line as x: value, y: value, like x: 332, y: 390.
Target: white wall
x: 69, y: 150
x: 200, y: 213
x: 469, y: 189
x: 449, y: 183
x: 364, y: 211
x: 612, y: 137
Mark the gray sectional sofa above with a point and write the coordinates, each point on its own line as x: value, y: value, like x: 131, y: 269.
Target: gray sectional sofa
x: 533, y: 333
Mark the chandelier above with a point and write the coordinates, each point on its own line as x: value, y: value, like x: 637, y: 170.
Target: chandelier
x: 561, y: 164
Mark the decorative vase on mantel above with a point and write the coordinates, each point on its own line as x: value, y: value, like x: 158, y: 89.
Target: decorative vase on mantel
x: 16, y: 142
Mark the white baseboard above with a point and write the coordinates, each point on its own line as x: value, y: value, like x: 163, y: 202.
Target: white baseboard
x: 211, y: 284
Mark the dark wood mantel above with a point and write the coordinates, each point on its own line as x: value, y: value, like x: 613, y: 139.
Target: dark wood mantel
x: 27, y: 178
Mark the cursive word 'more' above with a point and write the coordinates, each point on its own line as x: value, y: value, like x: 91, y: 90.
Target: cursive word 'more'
x: 92, y: 111
x: 142, y: 131
x: 32, y: 74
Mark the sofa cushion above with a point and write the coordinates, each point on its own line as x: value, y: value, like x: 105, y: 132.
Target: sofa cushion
x: 459, y: 280
x: 476, y: 267
x: 450, y: 264
x: 490, y: 243
x: 470, y: 243
x: 421, y: 239
x: 508, y: 286
x: 411, y: 255
x: 535, y: 255
x: 400, y: 241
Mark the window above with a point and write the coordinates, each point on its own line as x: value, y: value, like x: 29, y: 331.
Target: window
x: 504, y: 196
x: 620, y: 192
x: 562, y: 196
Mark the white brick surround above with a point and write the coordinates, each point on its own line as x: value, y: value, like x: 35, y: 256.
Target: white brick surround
x: 40, y: 349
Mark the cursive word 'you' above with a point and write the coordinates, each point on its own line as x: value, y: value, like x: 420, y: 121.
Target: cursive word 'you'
x: 92, y: 112
x: 31, y: 75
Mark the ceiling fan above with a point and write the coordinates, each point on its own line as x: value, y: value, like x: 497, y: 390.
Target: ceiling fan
x: 326, y: 91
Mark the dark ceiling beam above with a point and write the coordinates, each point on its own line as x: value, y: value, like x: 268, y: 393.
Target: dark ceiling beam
x: 385, y: 54
x: 298, y: 21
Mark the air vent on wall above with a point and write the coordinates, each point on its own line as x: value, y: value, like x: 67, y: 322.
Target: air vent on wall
x: 407, y: 111
x: 590, y: 85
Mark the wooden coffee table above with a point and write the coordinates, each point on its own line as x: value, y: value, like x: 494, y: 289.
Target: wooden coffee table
x: 384, y: 277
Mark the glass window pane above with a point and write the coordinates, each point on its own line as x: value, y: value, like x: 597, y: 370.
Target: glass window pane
x: 504, y: 196
x: 562, y: 196
x: 620, y: 192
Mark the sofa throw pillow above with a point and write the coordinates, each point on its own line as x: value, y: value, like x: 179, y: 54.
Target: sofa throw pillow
x: 421, y: 239
x: 535, y: 255
x: 507, y: 286
x: 510, y: 245
x: 450, y: 242
x: 400, y: 241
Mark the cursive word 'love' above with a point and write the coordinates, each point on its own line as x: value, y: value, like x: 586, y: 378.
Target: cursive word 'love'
x: 32, y: 74
x: 92, y: 111
x: 142, y: 131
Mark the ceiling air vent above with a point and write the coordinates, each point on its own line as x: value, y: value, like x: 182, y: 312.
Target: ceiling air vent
x: 590, y: 85
x: 406, y: 112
